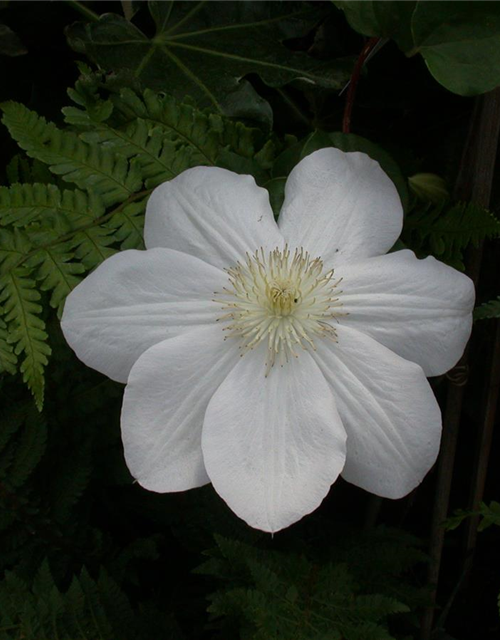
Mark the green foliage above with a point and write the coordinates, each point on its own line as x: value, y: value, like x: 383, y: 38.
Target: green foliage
x: 26, y: 328
x: 460, y: 44
x: 87, y: 609
x: 447, y: 229
x: 459, y: 41
x: 194, y: 47
x: 490, y: 514
x: 389, y: 19
x: 489, y: 309
x: 122, y: 146
x: 268, y: 594
x: 90, y: 167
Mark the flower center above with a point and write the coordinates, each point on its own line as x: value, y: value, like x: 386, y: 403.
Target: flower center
x: 281, y: 299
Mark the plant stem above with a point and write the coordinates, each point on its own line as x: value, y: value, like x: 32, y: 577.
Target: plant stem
x: 353, y: 84
x: 474, y: 182
x: 81, y: 8
x: 483, y: 451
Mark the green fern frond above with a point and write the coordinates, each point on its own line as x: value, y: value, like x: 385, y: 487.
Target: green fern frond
x: 26, y: 328
x: 22, y: 204
x: 89, y: 609
x: 128, y: 225
x: 158, y: 157
x: 8, y: 359
x: 489, y: 309
x: 11, y: 421
x: 23, y: 169
x: 286, y: 595
x: 184, y: 129
x: 90, y: 167
x: 56, y: 272
x: 446, y: 231
x: 93, y: 245
x: 29, y: 448
x: 180, y: 123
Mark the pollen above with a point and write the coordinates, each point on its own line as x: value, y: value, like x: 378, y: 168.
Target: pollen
x: 285, y: 301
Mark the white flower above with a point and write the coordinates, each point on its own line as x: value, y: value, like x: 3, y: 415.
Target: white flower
x: 269, y: 358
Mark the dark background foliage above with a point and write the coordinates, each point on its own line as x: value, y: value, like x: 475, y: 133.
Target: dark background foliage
x: 86, y: 553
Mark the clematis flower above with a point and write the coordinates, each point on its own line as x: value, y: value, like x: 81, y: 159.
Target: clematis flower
x: 269, y: 358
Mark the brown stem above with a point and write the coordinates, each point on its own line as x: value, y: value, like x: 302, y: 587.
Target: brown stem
x: 483, y: 451
x: 474, y: 181
x: 353, y: 85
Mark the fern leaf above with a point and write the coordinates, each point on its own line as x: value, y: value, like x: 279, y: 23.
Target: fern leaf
x: 74, y: 215
x: 446, y: 232
x: 29, y: 448
x: 71, y: 478
x: 10, y: 424
x: 489, y: 309
x: 27, y: 329
x: 56, y: 272
x: 21, y: 204
x: 93, y: 245
x: 23, y: 169
x: 90, y: 167
x: 158, y: 157
x: 128, y: 225
x: 8, y: 359
x: 14, y: 248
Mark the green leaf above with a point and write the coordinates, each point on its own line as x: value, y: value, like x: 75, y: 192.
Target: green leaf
x: 8, y: 359
x: 460, y: 42
x: 489, y: 309
x: 93, y: 245
x: 206, y: 54
x: 490, y: 514
x: 388, y: 19
x: 10, y: 42
x: 56, y: 271
x: 27, y: 329
x: 22, y: 204
x: 90, y: 167
x: 30, y: 447
x: 428, y: 187
x: 128, y: 225
x: 446, y: 230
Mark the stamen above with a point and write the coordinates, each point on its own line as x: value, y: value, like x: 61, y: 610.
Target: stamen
x: 284, y: 301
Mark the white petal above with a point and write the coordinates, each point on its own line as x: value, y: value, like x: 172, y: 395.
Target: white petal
x: 391, y: 416
x: 164, y: 405
x: 134, y: 300
x: 211, y: 213
x: 340, y: 206
x: 421, y: 309
x: 273, y: 446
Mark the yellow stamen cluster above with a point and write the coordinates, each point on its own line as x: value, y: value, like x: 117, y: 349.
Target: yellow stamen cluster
x: 282, y: 299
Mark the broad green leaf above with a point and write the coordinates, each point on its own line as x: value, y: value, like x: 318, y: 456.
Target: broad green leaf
x: 428, y: 187
x: 10, y: 42
x: 460, y: 42
x: 388, y: 19
x: 205, y: 53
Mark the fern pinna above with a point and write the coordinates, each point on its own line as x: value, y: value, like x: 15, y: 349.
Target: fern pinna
x: 91, y: 202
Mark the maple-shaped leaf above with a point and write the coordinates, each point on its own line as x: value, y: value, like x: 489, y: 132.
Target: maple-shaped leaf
x: 204, y: 50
